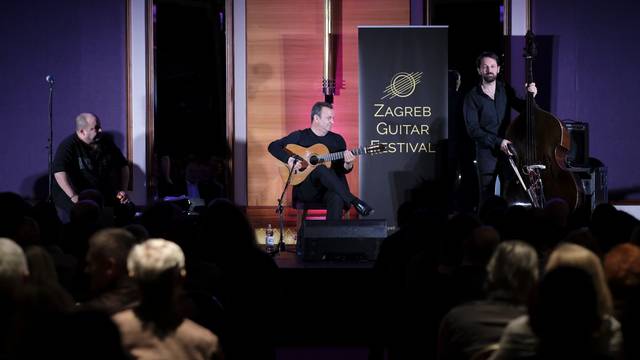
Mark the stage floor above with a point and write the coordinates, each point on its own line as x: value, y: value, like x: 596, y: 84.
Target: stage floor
x: 261, y: 217
x: 290, y: 260
x: 290, y: 235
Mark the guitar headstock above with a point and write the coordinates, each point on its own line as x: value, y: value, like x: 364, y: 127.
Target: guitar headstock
x: 375, y: 149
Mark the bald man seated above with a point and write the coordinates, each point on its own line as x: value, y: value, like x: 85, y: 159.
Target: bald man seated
x: 88, y: 160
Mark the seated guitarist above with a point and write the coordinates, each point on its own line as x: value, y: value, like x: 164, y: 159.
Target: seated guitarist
x: 323, y: 185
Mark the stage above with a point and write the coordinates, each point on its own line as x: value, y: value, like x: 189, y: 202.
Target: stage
x: 290, y: 260
x: 324, y: 303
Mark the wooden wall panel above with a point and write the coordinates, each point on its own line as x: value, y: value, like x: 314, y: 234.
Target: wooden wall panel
x: 284, y: 76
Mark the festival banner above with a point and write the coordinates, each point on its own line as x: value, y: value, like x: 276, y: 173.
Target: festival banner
x: 402, y: 105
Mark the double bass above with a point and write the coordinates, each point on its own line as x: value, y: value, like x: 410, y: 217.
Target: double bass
x: 540, y: 143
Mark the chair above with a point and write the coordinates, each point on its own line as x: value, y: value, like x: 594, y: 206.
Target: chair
x: 317, y: 210
x: 303, y: 210
x: 486, y: 352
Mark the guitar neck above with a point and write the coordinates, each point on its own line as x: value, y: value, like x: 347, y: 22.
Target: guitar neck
x: 340, y: 154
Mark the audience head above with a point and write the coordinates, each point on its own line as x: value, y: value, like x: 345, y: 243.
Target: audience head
x: 42, y: 270
x: 28, y: 232
x: 223, y: 214
x: 13, y: 263
x: 557, y: 211
x: 564, y: 315
x: 602, y: 220
x: 107, y: 257
x: 138, y: 231
x: 612, y: 227
x: 12, y: 209
x: 622, y: 268
x: 480, y: 246
x: 149, y: 262
x: 576, y: 256
x: 161, y: 220
x: 406, y: 213
x: 454, y: 80
x: 493, y: 210
x: 49, y: 223
x: 458, y: 229
x: 584, y: 238
x: 518, y: 223
x: 158, y: 267
x: 635, y: 236
x: 85, y: 213
x: 513, y: 269
x: 45, y: 291
x: 93, y: 195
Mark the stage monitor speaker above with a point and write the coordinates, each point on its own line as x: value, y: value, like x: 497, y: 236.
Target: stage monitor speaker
x: 342, y: 240
x: 594, y: 185
x: 578, y: 155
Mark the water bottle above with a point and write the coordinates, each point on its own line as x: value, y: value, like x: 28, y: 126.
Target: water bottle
x: 269, y: 240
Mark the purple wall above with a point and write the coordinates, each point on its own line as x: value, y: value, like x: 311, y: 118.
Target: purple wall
x: 80, y: 42
x: 595, y: 69
x: 595, y: 73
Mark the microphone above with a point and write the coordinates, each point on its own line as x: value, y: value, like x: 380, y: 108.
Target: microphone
x: 50, y: 79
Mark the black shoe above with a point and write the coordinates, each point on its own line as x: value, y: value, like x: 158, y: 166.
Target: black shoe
x: 361, y: 207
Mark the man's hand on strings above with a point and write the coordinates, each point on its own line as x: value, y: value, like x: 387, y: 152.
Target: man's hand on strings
x: 297, y: 166
x: 349, y: 158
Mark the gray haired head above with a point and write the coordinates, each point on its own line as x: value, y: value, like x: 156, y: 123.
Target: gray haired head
x: 13, y: 263
x: 513, y: 270
x: 148, y: 261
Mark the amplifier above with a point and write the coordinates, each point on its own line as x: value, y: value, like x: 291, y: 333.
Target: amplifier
x: 578, y: 155
x: 337, y: 240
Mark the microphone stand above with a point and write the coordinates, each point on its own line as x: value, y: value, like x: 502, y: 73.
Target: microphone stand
x: 50, y: 142
x: 280, y: 210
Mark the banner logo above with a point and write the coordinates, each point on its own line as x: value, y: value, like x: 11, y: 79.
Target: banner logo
x: 402, y: 85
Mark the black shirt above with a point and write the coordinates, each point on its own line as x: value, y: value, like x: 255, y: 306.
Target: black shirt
x: 487, y: 119
x: 306, y: 138
x: 88, y: 167
x: 334, y: 142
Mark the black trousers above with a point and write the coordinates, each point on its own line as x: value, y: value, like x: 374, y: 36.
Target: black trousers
x: 490, y: 165
x: 324, y: 186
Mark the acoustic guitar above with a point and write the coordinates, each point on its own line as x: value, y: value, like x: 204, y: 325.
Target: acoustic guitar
x: 318, y: 155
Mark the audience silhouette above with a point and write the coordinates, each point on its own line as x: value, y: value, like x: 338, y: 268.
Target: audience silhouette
x: 446, y: 285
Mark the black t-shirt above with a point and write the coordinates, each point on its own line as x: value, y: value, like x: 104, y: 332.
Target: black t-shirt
x: 88, y: 168
x: 306, y: 138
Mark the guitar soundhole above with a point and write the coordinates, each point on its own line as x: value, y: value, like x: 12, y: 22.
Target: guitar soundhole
x: 313, y: 160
